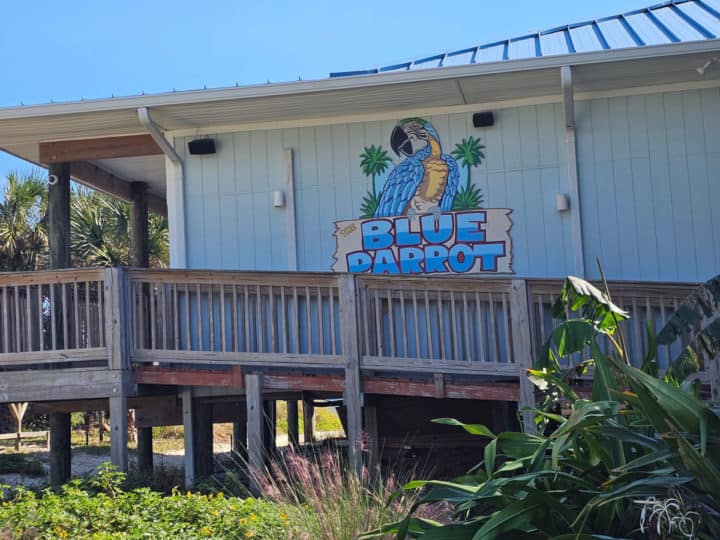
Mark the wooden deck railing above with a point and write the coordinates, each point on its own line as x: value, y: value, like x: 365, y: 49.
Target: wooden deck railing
x: 53, y: 316
x: 386, y: 324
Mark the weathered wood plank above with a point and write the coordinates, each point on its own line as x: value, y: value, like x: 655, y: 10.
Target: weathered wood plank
x: 92, y: 149
x: 255, y: 423
x: 350, y: 348
x: 522, y: 348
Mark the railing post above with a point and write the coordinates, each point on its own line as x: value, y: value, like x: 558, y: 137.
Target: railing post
x: 118, y: 337
x: 351, y: 351
x: 255, y: 427
x: 522, y: 348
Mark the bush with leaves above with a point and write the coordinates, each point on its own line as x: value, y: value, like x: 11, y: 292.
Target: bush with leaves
x: 640, y: 459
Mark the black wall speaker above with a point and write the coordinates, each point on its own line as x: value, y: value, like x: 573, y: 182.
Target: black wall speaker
x: 483, y: 119
x: 201, y: 147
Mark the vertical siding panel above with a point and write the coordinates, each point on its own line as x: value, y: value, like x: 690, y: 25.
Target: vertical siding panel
x: 661, y: 187
x: 646, y: 255
x: 245, y: 211
x: 278, y: 216
x: 680, y: 182
x: 261, y: 198
x: 624, y: 192
x: 360, y: 184
x: 340, y: 151
x: 705, y: 236
x: 226, y: 187
x: 585, y: 136
x: 710, y: 100
x: 327, y: 212
x: 195, y: 210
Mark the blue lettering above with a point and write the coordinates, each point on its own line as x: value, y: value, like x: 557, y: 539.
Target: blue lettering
x: 403, y: 236
x: 437, y: 232
x: 469, y: 228
x: 385, y: 263
x: 358, y: 261
x: 376, y: 234
x: 489, y: 254
x: 461, y: 258
x: 435, y: 258
x: 410, y: 259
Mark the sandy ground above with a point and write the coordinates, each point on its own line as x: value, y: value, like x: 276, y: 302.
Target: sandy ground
x: 86, y: 463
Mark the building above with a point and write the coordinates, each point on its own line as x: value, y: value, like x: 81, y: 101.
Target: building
x: 599, y: 140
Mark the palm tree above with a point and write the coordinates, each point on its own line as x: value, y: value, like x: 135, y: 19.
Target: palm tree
x: 374, y: 161
x: 470, y: 153
x: 100, y: 232
x: 23, y: 223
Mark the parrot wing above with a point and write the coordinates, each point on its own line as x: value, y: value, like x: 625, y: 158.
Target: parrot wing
x: 399, y: 188
x: 448, y: 198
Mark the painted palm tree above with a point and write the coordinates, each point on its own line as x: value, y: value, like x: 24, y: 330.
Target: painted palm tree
x: 470, y: 152
x: 373, y: 161
x: 23, y: 223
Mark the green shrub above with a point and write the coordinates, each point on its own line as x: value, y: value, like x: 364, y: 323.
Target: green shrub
x: 101, y: 509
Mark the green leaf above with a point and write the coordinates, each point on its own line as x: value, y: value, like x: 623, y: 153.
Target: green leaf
x: 451, y: 532
x: 489, y: 453
x: 473, y: 429
x: 649, y: 364
x: 706, y: 473
x: 578, y: 294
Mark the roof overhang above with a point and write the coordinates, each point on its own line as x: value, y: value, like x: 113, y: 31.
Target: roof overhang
x: 23, y: 129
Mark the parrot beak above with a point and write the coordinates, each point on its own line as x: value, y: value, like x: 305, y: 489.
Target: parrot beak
x: 400, y: 142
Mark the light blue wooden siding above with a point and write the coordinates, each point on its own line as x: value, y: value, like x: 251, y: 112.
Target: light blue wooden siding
x: 649, y: 185
x: 232, y: 224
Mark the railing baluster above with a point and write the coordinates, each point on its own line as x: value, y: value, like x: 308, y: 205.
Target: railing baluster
x: 309, y: 320
x: 509, y: 353
x: 223, y: 337
x: 284, y: 318
x: 466, y: 326
x: 321, y: 334
x: 234, y: 319
x: 296, y: 333
x: 454, y: 329
x: 428, y: 331
x: 331, y: 291
x: 164, y: 326
x: 246, y: 320
x: 76, y: 316
x: 53, y: 316
x: 378, y: 325
x: 101, y: 312
x: 88, y: 333
x: 259, y: 323
x: 5, y: 321
x: 153, y: 318
x: 41, y: 336
x: 198, y: 311
x: 493, y: 329
x: 441, y: 326
x: 637, y: 350
x: 403, y: 319
x: 416, y: 324
x: 176, y: 317
x: 391, y: 318
x: 65, y: 326
x: 273, y: 319
x: 28, y: 319
x: 211, y: 312
x: 482, y: 350
x: 18, y: 322
x: 188, y: 339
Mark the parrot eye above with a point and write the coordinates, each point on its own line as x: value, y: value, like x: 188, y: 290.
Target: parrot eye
x: 422, y: 135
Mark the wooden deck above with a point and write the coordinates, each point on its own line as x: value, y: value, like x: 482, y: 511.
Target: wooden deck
x: 83, y: 333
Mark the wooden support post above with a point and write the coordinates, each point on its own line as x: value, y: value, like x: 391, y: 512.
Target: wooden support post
x: 59, y: 257
x: 270, y: 433
x: 119, y: 432
x: 188, y: 436
x: 293, y: 423
x: 522, y: 348
x: 308, y: 417
x: 239, y: 438
x: 60, y: 456
x: 140, y: 244
x: 255, y: 423
x: 118, y: 333
x: 18, y: 410
x: 145, y: 451
x: 351, y: 352
x: 203, y: 423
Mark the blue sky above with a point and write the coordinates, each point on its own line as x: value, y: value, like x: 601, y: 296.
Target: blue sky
x: 63, y: 51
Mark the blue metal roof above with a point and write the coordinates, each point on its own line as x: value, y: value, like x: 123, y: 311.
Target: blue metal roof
x: 674, y: 21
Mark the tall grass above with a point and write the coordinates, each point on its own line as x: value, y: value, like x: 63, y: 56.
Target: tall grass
x: 327, y: 500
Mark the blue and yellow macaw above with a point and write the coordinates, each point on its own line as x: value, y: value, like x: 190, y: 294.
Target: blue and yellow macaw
x: 426, y: 180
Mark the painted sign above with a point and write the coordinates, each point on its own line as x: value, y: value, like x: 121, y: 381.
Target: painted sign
x: 423, y: 221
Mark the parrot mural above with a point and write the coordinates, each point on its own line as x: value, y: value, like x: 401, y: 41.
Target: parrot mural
x: 426, y: 180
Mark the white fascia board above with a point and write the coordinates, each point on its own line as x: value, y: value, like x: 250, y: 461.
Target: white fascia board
x: 359, y: 81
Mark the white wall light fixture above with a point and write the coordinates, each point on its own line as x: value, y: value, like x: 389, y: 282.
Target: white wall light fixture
x: 562, y: 202
x: 279, y: 199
